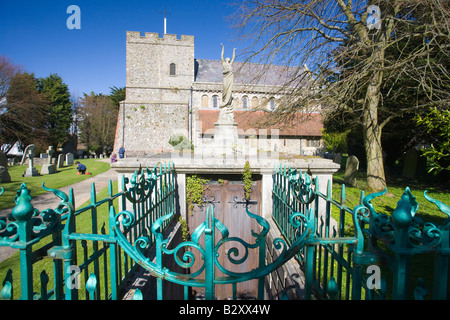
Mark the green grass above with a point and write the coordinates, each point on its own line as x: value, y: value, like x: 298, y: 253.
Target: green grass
x: 396, y: 187
x: 63, y: 177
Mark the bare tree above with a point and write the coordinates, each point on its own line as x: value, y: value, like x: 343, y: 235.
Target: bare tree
x: 98, y: 118
x: 7, y: 71
x: 353, y: 61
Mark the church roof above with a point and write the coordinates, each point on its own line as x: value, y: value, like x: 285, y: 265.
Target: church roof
x: 245, y: 73
x: 301, y: 124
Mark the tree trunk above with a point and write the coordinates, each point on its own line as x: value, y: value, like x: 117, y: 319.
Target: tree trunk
x: 376, y: 180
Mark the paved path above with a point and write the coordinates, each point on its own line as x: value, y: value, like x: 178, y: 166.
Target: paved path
x: 82, y: 193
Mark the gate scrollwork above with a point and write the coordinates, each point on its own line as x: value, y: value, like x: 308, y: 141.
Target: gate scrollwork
x: 208, y: 253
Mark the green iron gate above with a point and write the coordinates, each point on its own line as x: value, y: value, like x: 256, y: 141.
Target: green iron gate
x: 149, y: 204
x: 357, y: 253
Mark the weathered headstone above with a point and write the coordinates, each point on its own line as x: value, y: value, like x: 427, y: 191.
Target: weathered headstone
x: 29, y: 153
x: 60, y: 163
x: 410, y: 165
x: 49, y: 168
x: 69, y: 159
x: 351, y: 169
x: 337, y: 158
x: 4, y: 174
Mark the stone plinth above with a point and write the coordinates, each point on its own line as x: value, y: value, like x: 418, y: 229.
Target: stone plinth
x: 225, y: 138
x: 196, y: 164
x: 48, y: 168
x: 31, y: 172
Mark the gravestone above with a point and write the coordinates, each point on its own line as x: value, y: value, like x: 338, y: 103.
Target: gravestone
x: 410, y: 165
x: 29, y: 153
x: 351, y: 169
x: 337, y: 158
x: 4, y: 174
x: 69, y: 159
x: 49, y: 168
x: 60, y: 163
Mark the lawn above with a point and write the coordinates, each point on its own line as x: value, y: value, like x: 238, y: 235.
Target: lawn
x: 396, y: 187
x: 63, y: 177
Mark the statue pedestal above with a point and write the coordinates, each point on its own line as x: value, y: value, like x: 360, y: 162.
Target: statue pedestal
x: 225, y: 138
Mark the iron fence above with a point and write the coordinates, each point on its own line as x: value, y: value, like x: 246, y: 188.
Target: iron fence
x: 357, y: 253
x: 73, y: 254
x: 90, y: 253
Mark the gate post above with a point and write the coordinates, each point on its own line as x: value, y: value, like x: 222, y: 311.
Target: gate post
x: 113, y: 254
x: 209, y: 259
x: 22, y: 213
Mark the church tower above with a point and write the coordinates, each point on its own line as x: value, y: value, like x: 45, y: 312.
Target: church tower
x: 159, y: 76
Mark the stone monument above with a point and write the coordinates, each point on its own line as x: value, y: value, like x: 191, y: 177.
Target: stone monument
x: 410, y: 166
x: 60, y: 163
x: 351, y: 170
x: 29, y: 153
x: 69, y: 159
x: 225, y: 129
x: 49, y: 168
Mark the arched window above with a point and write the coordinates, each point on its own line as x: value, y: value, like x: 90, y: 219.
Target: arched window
x: 173, y: 69
x: 272, y: 104
x: 215, y: 101
x: 244, y: 102
x: 204, y: 101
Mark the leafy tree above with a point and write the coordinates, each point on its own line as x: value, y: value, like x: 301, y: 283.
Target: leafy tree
x: 59, y: 117
x: 335, y: 141
x: 117, y: 95
x: 97, y: 116
x: 437, y: 124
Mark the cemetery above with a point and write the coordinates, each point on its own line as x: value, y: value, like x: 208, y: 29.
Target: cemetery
x: 208, y: 204
x: 260, y: 227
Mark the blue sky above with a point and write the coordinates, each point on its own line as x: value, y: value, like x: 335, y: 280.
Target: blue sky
x: 34, y: 34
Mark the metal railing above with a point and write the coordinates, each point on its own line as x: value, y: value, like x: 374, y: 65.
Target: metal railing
x: 91, y: 252
x: 77, y: 249
x: 357, y: 253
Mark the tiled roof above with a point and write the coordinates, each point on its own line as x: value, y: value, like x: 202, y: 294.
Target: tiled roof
x: 248, y: 73
x: 301, y: 125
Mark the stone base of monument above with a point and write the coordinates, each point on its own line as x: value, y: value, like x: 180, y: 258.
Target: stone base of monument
x: 31, y: 172
x: 225, y: 139
x: 48, y: 169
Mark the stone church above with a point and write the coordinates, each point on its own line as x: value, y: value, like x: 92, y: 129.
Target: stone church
x: 169, y: 92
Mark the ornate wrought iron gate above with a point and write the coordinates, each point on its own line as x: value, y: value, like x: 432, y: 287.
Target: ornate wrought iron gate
x: 335, y: 259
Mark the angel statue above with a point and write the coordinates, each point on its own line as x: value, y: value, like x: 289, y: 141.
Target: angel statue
x: 228, y: 80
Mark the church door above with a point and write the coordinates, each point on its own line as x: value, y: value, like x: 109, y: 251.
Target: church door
x: 227, y: 197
